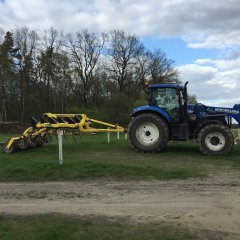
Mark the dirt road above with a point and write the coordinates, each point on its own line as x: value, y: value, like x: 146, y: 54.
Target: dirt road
x: 212, y: 204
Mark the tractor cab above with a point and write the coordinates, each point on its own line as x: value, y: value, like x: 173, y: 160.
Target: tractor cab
x: 172, y: 98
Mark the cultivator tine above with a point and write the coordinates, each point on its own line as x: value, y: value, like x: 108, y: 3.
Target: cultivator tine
x: 47, y: 138
x: 74, y: 138
x: 34, y: 122
x: 80, y: 136
x: 56, y: 137
x: 65, y: 137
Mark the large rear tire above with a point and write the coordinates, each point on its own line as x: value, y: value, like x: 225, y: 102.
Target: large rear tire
x: 215, y: 139
x: 148, y: 132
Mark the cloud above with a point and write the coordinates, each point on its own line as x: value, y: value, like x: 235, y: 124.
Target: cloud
x: 215, y: 40
x: 214, y: 82
x: 201, y: 23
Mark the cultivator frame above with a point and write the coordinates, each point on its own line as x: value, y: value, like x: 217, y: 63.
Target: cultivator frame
x: 41, y: 131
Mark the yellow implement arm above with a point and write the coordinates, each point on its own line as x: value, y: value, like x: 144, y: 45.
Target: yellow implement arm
x: 41, y: 131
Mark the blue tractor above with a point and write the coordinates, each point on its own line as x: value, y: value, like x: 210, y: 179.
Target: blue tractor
x: 168, y: 116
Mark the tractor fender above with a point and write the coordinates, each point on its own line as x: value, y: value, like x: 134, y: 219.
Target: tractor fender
x: 152, y: 109
x: 203, y: 124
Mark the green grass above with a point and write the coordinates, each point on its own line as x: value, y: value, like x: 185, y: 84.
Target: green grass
x: 99, y: 228
x: 91, y: 157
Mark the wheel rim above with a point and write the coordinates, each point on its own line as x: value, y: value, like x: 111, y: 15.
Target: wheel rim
x: 215, y: 141
x: 147, y: 133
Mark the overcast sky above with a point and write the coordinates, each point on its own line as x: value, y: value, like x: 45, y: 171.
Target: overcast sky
x: 202, y: 36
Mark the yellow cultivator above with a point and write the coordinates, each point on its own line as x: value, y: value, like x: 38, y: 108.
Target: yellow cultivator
x: 41, y: 131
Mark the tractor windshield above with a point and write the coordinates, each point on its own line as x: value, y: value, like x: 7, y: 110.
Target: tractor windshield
x: 168, y: 99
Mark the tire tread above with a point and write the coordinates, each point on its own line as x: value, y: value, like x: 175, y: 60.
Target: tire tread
x: 164, y: 126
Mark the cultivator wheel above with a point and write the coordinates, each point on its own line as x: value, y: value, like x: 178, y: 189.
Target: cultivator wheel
x: 40, y: 141
x: 32, y: 141
x: 22, y: 144
x: 9, y: 150
x: 47, y: 138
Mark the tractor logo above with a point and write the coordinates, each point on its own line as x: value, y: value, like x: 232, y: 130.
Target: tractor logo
x: 226, y: 110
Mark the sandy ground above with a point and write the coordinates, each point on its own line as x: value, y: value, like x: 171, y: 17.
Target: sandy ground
x: 211, y: 205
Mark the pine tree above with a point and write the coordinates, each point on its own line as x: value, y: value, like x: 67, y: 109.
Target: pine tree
x: 7, y: 53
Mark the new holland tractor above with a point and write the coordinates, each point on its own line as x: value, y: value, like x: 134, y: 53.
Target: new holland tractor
x: 169, y: 117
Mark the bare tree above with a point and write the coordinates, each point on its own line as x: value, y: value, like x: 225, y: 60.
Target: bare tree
x: 123, y: 52
x: 161, y: 68
x: 85, y: 50
x: 143, y: 68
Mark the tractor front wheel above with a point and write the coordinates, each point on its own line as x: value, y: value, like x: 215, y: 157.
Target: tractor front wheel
x: 215, y: 139
x: 148, y: 132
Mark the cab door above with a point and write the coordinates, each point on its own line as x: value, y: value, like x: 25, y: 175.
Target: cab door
x: 168, y: 99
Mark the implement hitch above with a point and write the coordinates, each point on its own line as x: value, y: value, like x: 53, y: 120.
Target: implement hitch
x: 41, y: 131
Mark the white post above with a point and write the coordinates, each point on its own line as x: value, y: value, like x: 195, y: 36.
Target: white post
x: 125, y: 136
x: 118, y: 136
x: 60, y: 158
x: 108, y: 137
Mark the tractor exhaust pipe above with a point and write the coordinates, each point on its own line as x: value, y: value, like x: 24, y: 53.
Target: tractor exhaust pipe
x: 186, y: 102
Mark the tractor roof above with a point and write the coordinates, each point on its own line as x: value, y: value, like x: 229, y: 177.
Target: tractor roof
x: 165, y: 85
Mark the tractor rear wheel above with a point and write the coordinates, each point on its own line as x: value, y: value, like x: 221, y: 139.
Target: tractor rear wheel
x: 215, y: 139
x: 148, y: 133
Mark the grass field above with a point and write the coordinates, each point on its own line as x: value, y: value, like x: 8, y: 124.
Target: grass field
x: 53, y: 227
x: 91, y: 157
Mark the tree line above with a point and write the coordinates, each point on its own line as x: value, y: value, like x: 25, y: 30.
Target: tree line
x: 102, y: 74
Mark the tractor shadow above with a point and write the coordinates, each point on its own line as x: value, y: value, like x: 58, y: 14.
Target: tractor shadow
x: 183, y: 147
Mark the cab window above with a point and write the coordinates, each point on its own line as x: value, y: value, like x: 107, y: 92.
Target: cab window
x: 168, y: 99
